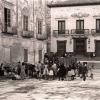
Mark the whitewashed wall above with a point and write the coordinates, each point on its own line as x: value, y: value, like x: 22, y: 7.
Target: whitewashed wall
x: 65, y: 13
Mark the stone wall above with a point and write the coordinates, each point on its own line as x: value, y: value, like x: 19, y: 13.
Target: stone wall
x: 12, y: 47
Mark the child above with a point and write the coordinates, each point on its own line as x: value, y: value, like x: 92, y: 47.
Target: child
x: 91, y: 72
x: 51, y: 73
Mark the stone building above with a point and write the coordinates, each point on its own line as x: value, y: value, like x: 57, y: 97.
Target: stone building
x: 75, y: 27
x: 23, y: 35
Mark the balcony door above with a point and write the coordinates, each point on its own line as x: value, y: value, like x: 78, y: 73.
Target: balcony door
x: 61, y: 27
x: 79, y: 26
x: 98, y: 25
x: 61, y: 47
x: 40, y: 26
x: 25, y: 23
x: 7, y: 18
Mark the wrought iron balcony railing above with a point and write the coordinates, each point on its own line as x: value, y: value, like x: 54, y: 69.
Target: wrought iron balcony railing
x: 80, y: 31
x: 27, y: 34
x: 41, y: 36
x: 62, y: 33
x: 95, y: 32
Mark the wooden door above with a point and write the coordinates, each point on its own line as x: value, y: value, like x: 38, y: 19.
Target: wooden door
x: 61, y: 47
x: 80, y: 46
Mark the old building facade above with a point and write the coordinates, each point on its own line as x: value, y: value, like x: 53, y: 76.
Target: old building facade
x: 75, y: 27
x: 23, y: 34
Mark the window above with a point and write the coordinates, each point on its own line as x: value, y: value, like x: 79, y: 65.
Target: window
x: 61, y: 27
x: 97, y: 25
x: 25, y: 55
x: 25, y: 23
x: 40, y: 55
x: 7, y: 55
x: 39, y: 27
x: 79, y: 26
x: 7, y: 18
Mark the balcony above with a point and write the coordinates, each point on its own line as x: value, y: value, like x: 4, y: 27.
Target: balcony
x: 80, y: 33
x: 95, y: 32
x: 41, y: 36
x: 27, y: 34
x: 10, y: 31
x: 63, y: 33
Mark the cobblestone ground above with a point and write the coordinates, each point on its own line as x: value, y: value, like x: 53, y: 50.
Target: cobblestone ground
x: 32, y: 89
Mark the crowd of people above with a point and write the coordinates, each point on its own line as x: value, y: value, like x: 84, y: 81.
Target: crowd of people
x: 62, y: 72
x: 47, y: 71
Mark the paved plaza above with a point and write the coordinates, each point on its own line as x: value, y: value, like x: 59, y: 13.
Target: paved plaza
x: 33, y: 89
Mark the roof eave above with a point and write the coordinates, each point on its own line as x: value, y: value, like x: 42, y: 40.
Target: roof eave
x: 68, y: 5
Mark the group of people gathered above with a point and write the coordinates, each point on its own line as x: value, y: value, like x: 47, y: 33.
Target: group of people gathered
x: 63, y: 72
x: 48, y: 71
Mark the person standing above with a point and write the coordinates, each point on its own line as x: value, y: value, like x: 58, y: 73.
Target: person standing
x: 38, y: 69
x: 54, y: 68
x: 51, y: 73
x: 90, y: 72
x: 19, y: 68
x: 62, y: 72
x: 79, y: 68
x: 22, y: 71
x: 84, y: 71
x: 1, y: 70
x: 45, y: 71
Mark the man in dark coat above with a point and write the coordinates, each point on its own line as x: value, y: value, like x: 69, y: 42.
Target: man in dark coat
x: 79, y: 68
x: 1, y: 70
x: 84, y: 71
x: 62, y: 72
x: 19, y: 68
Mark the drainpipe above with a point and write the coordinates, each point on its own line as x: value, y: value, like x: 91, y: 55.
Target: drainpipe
x: 33, y: 34
x: 17, y: 17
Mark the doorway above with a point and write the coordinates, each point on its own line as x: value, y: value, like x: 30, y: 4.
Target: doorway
x: 97, y: 48
x: 80, y: 46
x: 61, y: 47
